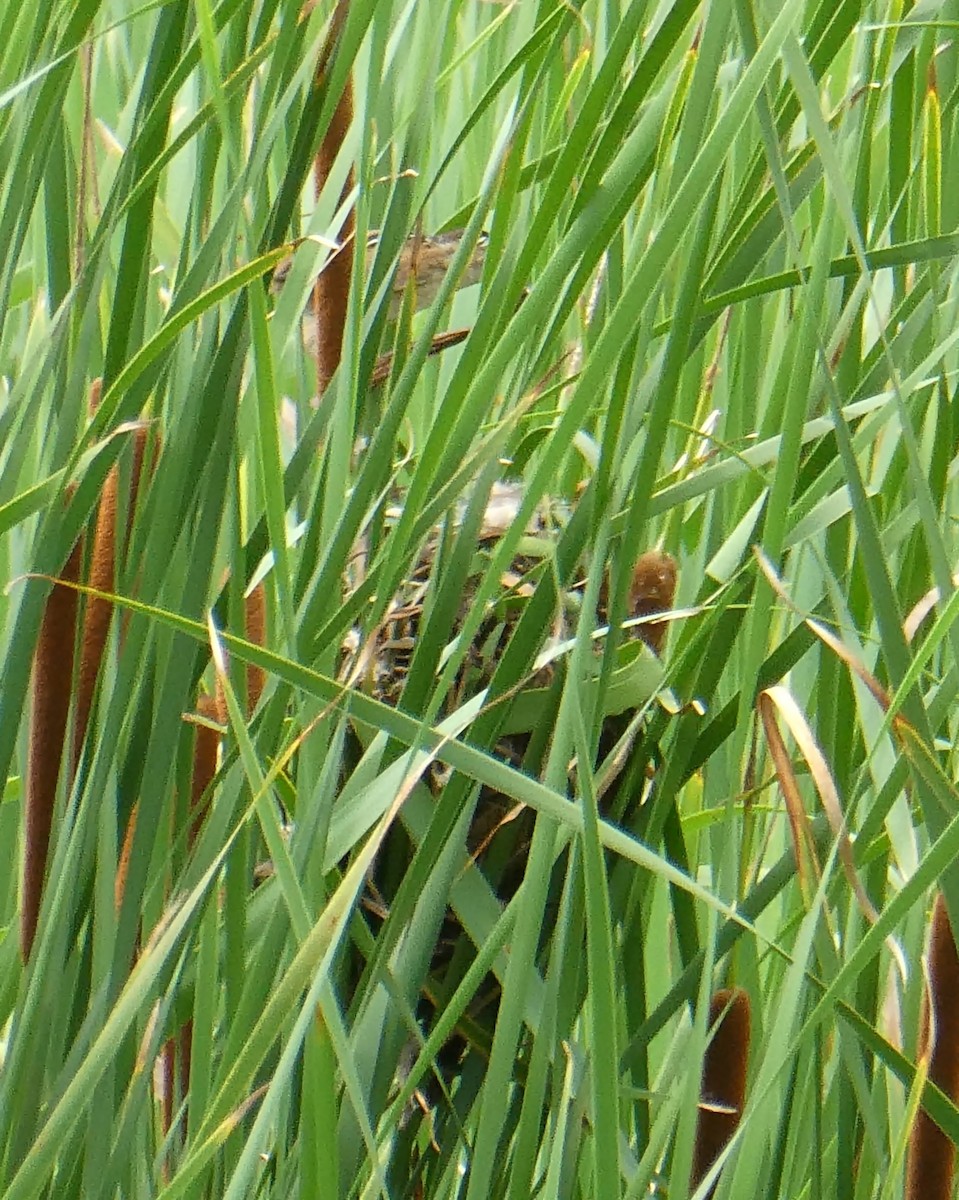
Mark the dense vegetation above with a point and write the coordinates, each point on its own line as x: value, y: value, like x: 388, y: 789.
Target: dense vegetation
x: 717, y: 318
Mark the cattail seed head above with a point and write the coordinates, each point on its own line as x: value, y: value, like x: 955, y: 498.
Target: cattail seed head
x: 204, y: 762
x: 51, y: 687
x: 96, y: 618
x: 930, y: 1161
x: 123, y: 866
x: 254, y: 630
x: 95, y: 395
x: 102, y: 578
x: 723, y: 1088
x: 256, y: 633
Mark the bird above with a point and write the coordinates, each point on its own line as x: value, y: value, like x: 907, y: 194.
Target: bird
x: 424, y: 259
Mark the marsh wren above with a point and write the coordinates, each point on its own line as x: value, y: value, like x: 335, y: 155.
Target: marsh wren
x: 426, y: 259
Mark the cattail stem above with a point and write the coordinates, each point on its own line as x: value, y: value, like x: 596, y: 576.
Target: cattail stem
x: 52, y: 682
x: 931, y: 1159
x: 331, y: 292
x: 169, y: 1082
x: 186, y: 1058
x: 204, y: 768
x: 723, y: 1088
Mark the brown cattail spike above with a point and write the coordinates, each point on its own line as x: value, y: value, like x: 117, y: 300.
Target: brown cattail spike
x: 931, y: 1158
x: 123, y: 866
x: 332, y: 289
x: 141, y: 438
x: 254, y: 630
x: 96, y: 393
x: 255, y: 613
x: 652, y: 591
x: 96, y: 618
x: 52, y: 683
x: 103, y: 561
x: 204, y: 762
x: 723, y: 1089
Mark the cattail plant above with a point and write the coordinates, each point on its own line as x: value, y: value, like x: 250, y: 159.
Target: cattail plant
x: 255, y: 618
x: 50, y: 706
x: 123, y: 866
x: 204, y: 761
x: 331, y: 290
x: 102, y: 578
x: 722, y: 1092
x: 254, y: 630
x: 205, y: 750
x: 204, y: 768
x: 931, y: 1158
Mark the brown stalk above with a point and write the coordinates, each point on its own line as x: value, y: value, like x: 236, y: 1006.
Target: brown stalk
x: 50, y: 707
x: 652, y: 591
x: 168, y: 1099
x: 723, y: 1089
x: 331, y: 291
x: 102, y: 578
x: 186, y: 1058
x: 779, y: 700
x: 931, y: 1158
x: 802, y: 839
x: 204, y: 768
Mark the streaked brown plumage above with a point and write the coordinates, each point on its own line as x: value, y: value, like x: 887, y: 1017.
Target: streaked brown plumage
x: 426, y: 259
